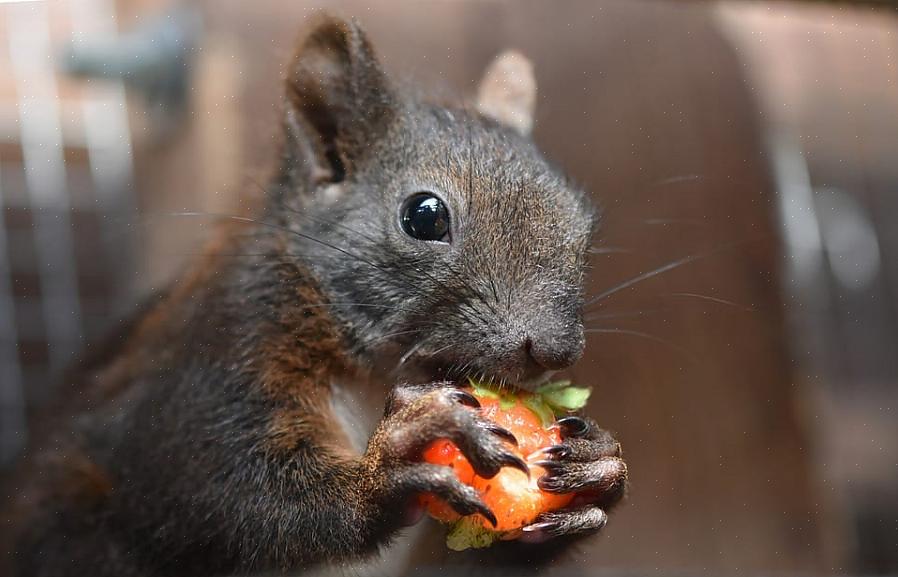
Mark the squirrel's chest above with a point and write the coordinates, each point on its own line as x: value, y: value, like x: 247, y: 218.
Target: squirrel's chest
x: 358, y: 408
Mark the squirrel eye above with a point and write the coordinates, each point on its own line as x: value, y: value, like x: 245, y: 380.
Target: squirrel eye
x: 425, y: 217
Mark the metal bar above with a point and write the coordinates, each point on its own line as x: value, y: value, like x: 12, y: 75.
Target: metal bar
x: 45, y: 176
x: 106, y: 129
x: 13, y: 429
x: 108, y: 139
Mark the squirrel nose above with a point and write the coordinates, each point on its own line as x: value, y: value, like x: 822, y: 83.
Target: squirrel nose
x: 555, y: 352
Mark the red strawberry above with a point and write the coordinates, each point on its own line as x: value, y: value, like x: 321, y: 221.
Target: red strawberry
x: 515, y: 500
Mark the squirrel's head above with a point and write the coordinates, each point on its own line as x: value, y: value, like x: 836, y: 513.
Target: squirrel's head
x: 446, y: 244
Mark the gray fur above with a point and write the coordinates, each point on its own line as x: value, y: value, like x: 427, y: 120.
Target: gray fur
x: 514, y: 269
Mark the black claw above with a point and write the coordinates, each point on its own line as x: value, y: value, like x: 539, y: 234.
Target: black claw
x: 547, y: 526
x: 465, y: 398
x: 548, y: 483
x: 547, y: 464
x: 573, y: 426
x: 502, y: 432
x: 483, y: 510
x: 471, y: 505
x: 559, y: 451
x: 475, y: 505
x: 510, y: 460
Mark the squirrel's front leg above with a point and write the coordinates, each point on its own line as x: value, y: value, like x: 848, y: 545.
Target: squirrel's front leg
x: 323, y: 506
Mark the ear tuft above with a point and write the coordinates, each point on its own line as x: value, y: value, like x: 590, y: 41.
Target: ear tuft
x: 507, y: 92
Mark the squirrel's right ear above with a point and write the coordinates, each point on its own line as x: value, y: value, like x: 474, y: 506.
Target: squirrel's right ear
x: 507, y: 92
x: 338, y: 100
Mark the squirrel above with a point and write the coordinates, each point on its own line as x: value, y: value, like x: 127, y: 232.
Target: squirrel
x: 268, y: 410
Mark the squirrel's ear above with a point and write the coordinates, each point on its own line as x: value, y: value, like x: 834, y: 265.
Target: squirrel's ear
x: 338, y: 99
x: 507, y: 92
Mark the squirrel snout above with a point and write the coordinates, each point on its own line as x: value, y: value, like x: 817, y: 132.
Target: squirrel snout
x: 555, y: 352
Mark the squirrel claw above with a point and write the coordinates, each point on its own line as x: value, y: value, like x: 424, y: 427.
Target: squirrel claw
x: 465, y: 398
x: 510, y: 460
x: 502, y: 432
x: 572, y: 426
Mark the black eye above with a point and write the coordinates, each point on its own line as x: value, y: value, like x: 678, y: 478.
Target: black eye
x: 425, y: 217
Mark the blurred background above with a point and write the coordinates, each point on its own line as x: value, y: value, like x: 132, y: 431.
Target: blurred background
x: 745, y: 154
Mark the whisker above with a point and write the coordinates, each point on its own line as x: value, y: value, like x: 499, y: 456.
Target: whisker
x: 270, y: 257
x: 440, y: 350
x: 346, y: 304
x: 713, y: 300
x: 280, y: 228
x: 299, y: 234
x: 412, y: 350
x: 467, y: 308
x: 607, y: 250
x: 662, y: 269
x: 676, y: 179
x: 666, y: 221
x: 617, y: 331
x: 623, y: 314
x: 318, y: 219
x: 392, y: 335
x: 642, y: 277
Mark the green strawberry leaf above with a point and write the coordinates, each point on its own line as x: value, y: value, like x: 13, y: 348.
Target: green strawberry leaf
x: 552, y: 386
x: 567, y: 399
x: 468, y: 533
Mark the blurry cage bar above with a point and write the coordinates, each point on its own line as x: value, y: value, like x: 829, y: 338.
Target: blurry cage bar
x: 64, y: 187
x: 830, y: 131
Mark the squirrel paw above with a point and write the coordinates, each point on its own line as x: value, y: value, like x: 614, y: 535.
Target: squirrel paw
x: 587, y: 462
x: 420, y: 414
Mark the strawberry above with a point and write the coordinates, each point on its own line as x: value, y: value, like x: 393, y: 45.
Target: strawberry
x: 514, y: 499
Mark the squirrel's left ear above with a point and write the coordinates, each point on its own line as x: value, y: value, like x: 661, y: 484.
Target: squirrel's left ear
x: 339, y: 100
x: 507, y: 92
